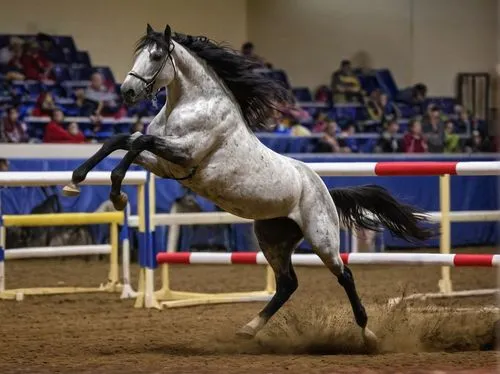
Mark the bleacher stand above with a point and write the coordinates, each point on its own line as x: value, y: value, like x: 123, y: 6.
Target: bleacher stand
x: 72, y: 70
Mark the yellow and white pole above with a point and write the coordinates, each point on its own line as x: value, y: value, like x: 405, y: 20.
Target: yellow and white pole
x: 113, y: 258
x: 127, y: 291
x: 173, y: 237
x: 150, y: 210
x: 445, y: 238
x: 140, y: 300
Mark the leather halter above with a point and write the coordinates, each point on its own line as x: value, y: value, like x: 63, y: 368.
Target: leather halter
x: 149, y: 83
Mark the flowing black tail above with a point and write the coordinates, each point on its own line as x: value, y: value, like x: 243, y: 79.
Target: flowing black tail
x: 355, y: 204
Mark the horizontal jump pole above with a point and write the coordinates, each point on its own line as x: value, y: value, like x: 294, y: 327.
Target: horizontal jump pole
x: 406, y: 168
x: 257, y: 258
x: 52, y: 178
x: 62, y: 219
x: 403, y: 168
x: 224, y: 218
x: 44, y: 252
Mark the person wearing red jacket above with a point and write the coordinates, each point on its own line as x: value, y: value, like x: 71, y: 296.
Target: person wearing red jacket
x: 35, y: 65
x: 413, y: 141
x: 56, y: 133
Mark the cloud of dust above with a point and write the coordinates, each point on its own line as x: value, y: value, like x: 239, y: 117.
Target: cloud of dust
x: 321, y: 330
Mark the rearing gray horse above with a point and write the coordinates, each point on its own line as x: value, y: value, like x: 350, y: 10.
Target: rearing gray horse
x: 203, y: 137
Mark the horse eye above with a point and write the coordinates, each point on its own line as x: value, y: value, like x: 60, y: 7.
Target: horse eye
x: 156, y: 56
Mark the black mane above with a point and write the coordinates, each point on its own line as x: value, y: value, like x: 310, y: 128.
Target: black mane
x: 257, y: 95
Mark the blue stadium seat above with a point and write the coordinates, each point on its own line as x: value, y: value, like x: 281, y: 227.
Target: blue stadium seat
x: 4, y: 40
x: 105, y: 72
x: 368, y: 82
x: 387, y: 83
x: 61, y: 73
x: 302, y: 94
x: 82, y: 58
x: 67, y: 44
x: 446, y: 104
x: 406, y: 110
x: 81, y: 73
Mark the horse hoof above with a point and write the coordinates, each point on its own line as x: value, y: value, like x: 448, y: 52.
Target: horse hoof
x: 370, y: 339
x: 71, y: 189
x: 120, y: 202
x: 246, y: 332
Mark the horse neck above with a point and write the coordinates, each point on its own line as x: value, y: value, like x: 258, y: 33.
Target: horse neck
x: 193, y: 79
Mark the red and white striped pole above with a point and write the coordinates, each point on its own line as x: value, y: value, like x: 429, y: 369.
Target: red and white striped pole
x: 257, y: 258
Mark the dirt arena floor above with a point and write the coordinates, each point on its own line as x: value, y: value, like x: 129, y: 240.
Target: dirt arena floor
x: 313, y: 333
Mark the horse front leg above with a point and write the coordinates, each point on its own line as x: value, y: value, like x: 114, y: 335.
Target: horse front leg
x: 117, y: 196
x: 145, y: 151
x: 116, y: 142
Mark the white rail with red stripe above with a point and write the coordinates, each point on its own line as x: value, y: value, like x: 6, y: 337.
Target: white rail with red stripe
x: 406, y: 168
x: 257, y: 258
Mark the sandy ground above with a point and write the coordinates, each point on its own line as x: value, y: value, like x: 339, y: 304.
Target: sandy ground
x: 313, y: 333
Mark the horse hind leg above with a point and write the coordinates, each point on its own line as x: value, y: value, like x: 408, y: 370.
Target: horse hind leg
x: 320, y: 225
x: 277, y: 239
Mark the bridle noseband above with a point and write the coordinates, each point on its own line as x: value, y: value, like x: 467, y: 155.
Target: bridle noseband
x: 149, y: 83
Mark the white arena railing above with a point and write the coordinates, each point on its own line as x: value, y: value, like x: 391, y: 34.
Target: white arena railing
x: 37, y: 179
x: 445, y: 217
x: 147, y: 220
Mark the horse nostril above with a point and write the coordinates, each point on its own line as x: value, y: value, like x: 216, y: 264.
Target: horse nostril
x: 129, y: 94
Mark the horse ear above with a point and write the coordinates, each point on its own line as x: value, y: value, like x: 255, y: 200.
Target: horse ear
x: 149, y: 29
x: 168, y: 33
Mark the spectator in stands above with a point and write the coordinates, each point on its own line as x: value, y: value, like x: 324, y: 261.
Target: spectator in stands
x: 45, y: 105
x: 96, y: 128
x: 103, y: 101
x: 345, y: 84
x: 15, y: 47
x: 7, y: 90
x: 81, y: 107
x: 49, y: 48
x: 323, y: 94
x: 10, y: 59
x: 300, y: 130
x: 12, y: 130
x: 10, y: 56
x: 328, y: 143
x: 321, y: 121
x: 283, y: 124
x: 434, y: 131
x: 35, y: 65
x: 4, y: 164
x: 478, y: 125
x: 56, y: 133
x: 347, y: 143
x: 462, y: 119
x: 372, y: 104
x: 388, y: 141
x: 419, y: 97
x: 451, y: 140
x: 380, y: 108
x: 477, y: 143
x: 248, y: 50
x: 413, y: 141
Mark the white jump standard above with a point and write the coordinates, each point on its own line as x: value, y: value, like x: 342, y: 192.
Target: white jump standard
x: 11, y: 179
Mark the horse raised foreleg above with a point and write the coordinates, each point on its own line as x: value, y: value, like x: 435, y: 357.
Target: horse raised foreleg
x: 116, y: 142
x: 117, y: 197
x: 152, y: 148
